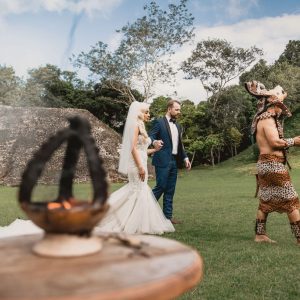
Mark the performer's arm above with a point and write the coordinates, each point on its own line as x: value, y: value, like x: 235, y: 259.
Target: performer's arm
x: 272, y: 136
x: 136, y: 155
x: 297, y: 140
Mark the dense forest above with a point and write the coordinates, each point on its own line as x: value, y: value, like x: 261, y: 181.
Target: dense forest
x: 214, y: 129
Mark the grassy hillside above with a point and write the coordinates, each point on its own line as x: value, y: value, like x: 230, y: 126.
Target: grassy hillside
x: 218, y: 210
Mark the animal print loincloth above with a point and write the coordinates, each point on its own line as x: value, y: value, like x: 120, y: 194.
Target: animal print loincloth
x: 276, y: 192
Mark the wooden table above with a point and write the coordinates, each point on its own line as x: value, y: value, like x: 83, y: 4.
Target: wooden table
x: 161, y: 269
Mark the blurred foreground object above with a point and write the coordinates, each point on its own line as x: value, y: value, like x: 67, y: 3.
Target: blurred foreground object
x: 68, y: 222
x: 158, y: 269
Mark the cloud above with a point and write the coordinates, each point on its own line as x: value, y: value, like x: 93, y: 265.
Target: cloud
x: 224, y: 9
x: 269, y: 34
x: 91, y: 7
x: 238, y: 8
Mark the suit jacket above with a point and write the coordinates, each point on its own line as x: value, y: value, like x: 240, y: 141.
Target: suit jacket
x: 161, y: 131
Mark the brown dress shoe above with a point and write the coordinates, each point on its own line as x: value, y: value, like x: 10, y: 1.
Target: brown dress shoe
x: 174, y: 221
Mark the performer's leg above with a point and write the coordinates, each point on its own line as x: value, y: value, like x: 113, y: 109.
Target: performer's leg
x: 161, y: 181
x: 260, y: 228
x: 294, y: 218
x: 170, y: 190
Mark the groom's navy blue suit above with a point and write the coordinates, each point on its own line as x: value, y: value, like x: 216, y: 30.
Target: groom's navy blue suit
x: 166, y: 163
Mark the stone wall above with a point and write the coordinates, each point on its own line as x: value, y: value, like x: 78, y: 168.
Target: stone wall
x: 23, y: 130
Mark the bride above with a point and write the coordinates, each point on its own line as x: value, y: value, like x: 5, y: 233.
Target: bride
x: 133, y: 208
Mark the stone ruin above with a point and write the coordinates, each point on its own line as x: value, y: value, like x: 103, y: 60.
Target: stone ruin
x: 23, y: 130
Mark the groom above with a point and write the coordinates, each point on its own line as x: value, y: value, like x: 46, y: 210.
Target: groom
x: 166, y: 133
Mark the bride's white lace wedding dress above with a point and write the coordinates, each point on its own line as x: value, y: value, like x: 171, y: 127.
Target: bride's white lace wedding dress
x: 19, y: 227
x: 133, y: 207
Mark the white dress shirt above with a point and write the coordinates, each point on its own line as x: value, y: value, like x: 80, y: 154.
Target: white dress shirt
x: 175, y: 136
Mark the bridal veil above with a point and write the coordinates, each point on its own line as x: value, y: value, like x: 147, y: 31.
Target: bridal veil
x: 134, y: 112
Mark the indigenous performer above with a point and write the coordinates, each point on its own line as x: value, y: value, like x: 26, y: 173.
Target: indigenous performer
x: 275, y: 190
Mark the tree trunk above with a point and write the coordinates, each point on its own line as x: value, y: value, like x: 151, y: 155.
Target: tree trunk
x: 212, y: 156
x: 193, y: 158
x: 235, y: 150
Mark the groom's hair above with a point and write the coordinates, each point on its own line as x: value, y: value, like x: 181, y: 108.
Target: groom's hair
x: 171, y: 103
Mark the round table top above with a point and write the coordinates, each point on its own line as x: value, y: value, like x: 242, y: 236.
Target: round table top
x: 160, y: 269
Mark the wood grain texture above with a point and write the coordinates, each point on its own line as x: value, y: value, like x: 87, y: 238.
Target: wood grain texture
x: 161, y: 269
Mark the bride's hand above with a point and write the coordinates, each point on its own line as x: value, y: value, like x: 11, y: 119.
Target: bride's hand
x: 142, y: 173
x: 158, y: 144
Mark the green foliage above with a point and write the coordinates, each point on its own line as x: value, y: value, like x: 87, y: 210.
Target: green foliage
x: 234, y: 109
x: 260, y: 72
x: 291, y: 54
x: 292, y: 124
x: 189, y: 119
x: 255, y: 152
x: 235, y: 136
x: 158, y: 107
x: 10, y: 86
x: 197, y: 145
x: 49, y: 86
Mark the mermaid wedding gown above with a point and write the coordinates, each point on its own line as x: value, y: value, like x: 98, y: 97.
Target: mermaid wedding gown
x: 133, y: 208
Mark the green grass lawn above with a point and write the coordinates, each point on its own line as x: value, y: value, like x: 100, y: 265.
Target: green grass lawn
x: 218, y: 210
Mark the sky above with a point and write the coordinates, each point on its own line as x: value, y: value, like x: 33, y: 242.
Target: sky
x: 34, y: 33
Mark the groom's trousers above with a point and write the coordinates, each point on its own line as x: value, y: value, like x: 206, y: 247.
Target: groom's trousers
x: 166, y: 178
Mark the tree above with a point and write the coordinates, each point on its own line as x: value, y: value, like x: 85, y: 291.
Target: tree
x: 158, y: 107
x: 260, y: 72
x: 291, y: 54
x: 50, y: 86
x: 189, y: 119
x: 195, y: 146
x: 110, y: 106
x: 216, y: 62
x: 143, y: 56
x: 235, y: 138
x: 10, y: 86
x: 213, y: 142
x: 235, y: 108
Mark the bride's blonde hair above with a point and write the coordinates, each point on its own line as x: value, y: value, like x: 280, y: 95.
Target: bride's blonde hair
x: 141, y: 124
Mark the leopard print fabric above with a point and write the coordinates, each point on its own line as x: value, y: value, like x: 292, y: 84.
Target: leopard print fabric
x: 268, y: 115
x: 295, y: 227
x: 260, y: 227
x: 276, y: 192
